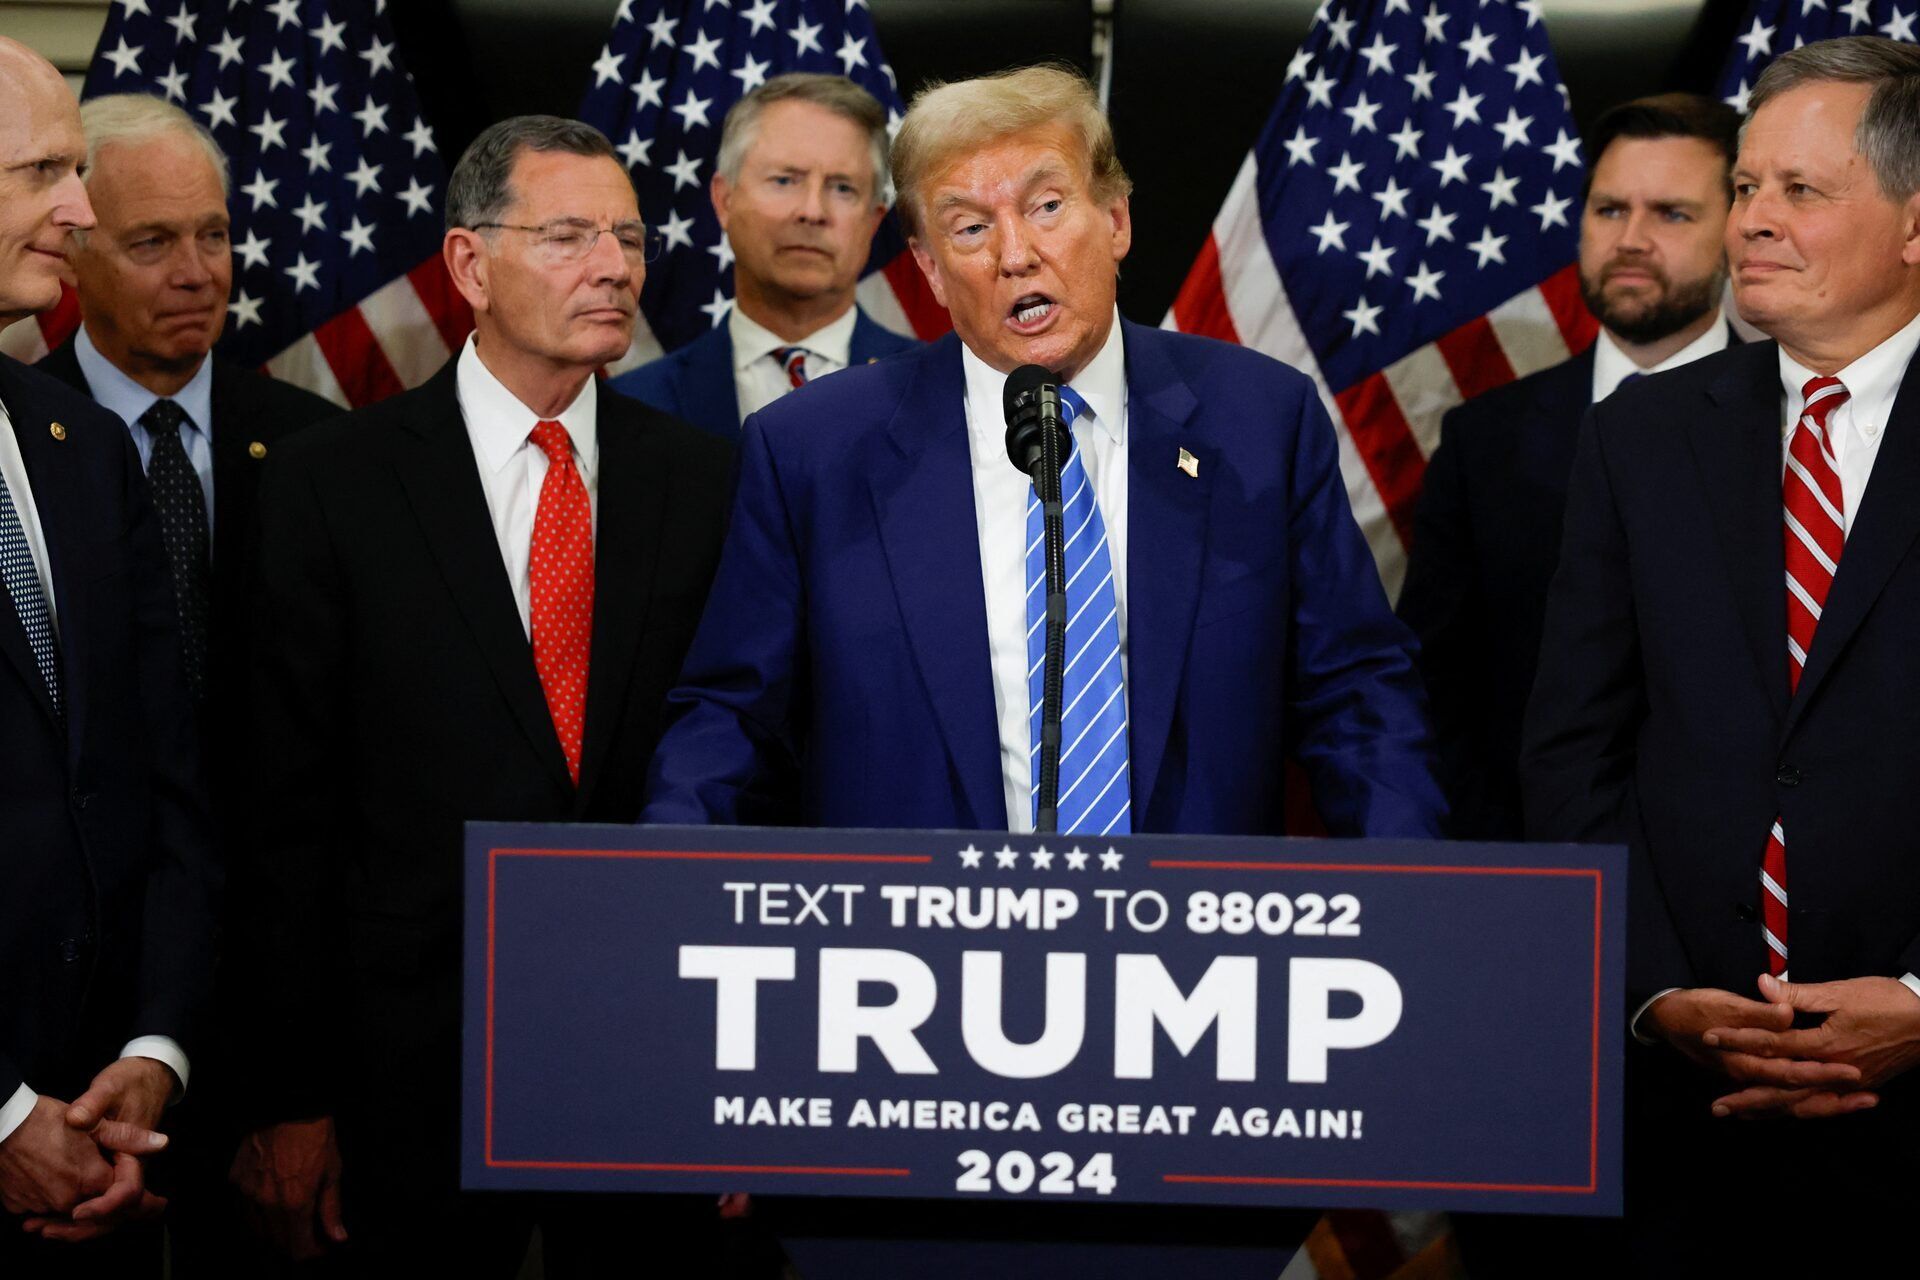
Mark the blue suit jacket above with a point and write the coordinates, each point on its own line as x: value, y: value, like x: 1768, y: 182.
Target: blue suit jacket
x: 840, y: 676
x: 695, y: 383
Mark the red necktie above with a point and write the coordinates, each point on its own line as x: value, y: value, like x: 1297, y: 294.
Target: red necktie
x: 560, y: 572
x: 794, y: 361
x: 1816, y: 533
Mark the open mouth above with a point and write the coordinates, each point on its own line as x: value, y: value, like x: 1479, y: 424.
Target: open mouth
x: 1032, y: 311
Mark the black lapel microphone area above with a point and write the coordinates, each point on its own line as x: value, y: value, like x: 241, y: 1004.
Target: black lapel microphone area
x: 1038, y: 444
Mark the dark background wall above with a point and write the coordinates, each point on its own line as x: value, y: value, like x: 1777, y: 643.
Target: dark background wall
x: 1192, y: 80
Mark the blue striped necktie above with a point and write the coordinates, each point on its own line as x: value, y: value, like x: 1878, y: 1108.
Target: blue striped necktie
x: 1095, y: 795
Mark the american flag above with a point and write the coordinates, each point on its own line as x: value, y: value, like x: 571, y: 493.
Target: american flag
x: 1404, y: 231
x: 337, y: 185
x: 669, y: 72
x: 1772, y: 27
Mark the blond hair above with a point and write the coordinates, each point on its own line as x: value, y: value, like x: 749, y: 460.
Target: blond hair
x: 949, y: 120
x: 136, y: 117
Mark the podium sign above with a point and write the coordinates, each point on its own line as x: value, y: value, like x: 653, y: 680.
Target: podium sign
x: 1179, y: 1020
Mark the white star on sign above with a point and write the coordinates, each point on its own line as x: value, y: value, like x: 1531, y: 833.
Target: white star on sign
x: 851, y: 54
x: 1452, y: 167
x: 304, y: 274
x: 316, y: 153
x: 1564, y: 151
x: 1320, y: 89
x: 1379, y: 259
x: 705, y: 51
x: 970, y: 857
x: 183, y: 24
x: 325, y: 97
x: 692, y: 112
x: 752, y: 73
x: 1426, y: 283
x: 228, y: 50
x: 606, y: 67
x: 1758, y: 41
x: 1552, y: 211
x: 1500, y: 190
x: 253, y: 250
x: 379, y: 56
x: 417, y: 198
x: 1076, y: 859
x: 1436, y: 24
x: 365, y: 177
x: 245, y: 310
x: 1857, y: 13
x: 174, y: 84
x: 676, y: 229
x: 358, y: 236
x: 1346, y: 174
x: 1478, y: 46
x: 761, y: 16
x: 1362, y: 113
x: 1406, y: 143
x: 1111, y: 859
x: 722, y: 251
x: 421, y: 137
x: 1042, y: 858
x: 1525, y: 70
x: 646, y: 90
x: 1007, y: 858
x: 1340, y: 32
x: 1465, y: 107
x: 634, y: 150
x: 278, y: 71
x: 270, y: 132
x: 1513, y: 130
x: 219, y: 109
x: 1422, y: 81
x: 136, y: 6
x: 311, y: 213
x: 1393, y: 199
x: 1437, y: 225
x: 685, y: 171
x: 261, y: 189
x: 286, y: 13
x: 1532, y: 9
x: 372, y: 117
x: 1379, y: 55
x: 124, y: 58
x: 806, y: 38
x: 1488, y: 247
x: 660, y: 31
x: 1366, y: 319
x: 717, y: 309
x: 1330, y: 232
x: 1299, y: 147
x: 1297, y: 68
x: 1738, y: 98
x: 1400, y: 6
x: 1899, y: 26
x: 330, y: 34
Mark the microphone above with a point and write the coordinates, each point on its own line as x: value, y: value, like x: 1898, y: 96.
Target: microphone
x: 1038, y: 445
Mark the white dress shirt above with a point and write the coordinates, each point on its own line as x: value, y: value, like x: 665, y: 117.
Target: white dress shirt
x: 1000, y: 508
x: 1612, y: 366
x: 759, y: 379
x: 512, y: 466
x: 1854, y: 430
x: 112, y: 389
x: 13, y: 469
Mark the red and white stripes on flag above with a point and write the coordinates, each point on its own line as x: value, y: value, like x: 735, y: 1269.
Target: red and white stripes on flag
x: 1389, y: 422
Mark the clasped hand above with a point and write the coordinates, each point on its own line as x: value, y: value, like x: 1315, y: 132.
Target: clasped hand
x: 1870, y: 1032
x: 74, y: 1171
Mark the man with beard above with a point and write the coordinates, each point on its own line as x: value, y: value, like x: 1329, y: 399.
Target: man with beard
x: 1487, y: 531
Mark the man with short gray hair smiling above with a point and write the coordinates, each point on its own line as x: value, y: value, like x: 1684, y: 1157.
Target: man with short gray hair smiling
x: 472, y: 599
x: 1728, y: 686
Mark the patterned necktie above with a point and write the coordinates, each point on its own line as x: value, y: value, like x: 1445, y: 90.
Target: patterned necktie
x: 1815, y: 534
x: 794, y: 361
x: 181, y: 504
x: 29, y: 602
x: 1095, y: 791
x: 560, y: 573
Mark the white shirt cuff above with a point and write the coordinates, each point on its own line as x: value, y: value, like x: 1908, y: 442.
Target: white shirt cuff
x: 1910, y: 982
x: 15, y: 1113
x: 1633, y: 1023
x: 167, y: 1052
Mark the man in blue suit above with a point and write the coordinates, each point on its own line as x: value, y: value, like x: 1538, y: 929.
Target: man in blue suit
x: 864, y: 658
x: 799, y: 189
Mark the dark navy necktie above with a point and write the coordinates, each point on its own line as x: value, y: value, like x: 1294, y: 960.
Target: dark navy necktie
x: 29, y: 602
x: 181, y: 504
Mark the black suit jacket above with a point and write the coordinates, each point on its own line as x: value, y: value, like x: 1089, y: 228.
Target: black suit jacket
x: 1486, y: 537
x: 1661, y: 716
x: 252, y: 415
x: 107, y: 874
x: 396, y: 697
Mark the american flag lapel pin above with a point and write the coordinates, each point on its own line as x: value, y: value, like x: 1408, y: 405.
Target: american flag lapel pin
x: 1190, y: 464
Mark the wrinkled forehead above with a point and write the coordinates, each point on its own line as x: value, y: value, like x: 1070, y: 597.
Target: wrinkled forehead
x: 558, y: 184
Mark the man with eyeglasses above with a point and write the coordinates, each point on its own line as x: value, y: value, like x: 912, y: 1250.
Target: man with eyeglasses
x: 472, y: 599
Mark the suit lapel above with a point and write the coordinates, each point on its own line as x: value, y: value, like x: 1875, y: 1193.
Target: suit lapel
x: 635, y: 472
x: 1738, y: 453
x: 1166, y: 543
x: 1883, y: 533
x: 707, y: 381
x: 235, y: 478
x: 443, y: 484
x: 923, y: 501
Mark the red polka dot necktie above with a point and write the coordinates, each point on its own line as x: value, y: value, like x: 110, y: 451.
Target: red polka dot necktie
x: 560, y: 573
x: 794, y: 361
x: 1815, y: 533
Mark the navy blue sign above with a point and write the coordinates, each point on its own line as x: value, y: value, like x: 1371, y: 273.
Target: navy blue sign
x: 1159, y: 1018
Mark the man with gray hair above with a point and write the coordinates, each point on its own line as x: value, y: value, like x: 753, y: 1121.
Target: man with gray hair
x: 471, y: 601
x: 799, y: 189
x: 1728, y: 687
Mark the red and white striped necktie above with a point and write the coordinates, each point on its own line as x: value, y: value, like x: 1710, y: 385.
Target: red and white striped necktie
x: 1816, y: 534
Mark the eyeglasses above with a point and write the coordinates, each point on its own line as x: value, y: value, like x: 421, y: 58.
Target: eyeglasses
x: 568, y: 240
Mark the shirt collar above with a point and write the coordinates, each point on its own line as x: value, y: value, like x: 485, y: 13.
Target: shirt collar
x: 500, y: 423
x: 1612, y: 366
x: 1872, y: 381
x: 753, y: 341
x: 1102, y: 384
x: 114, y: 390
